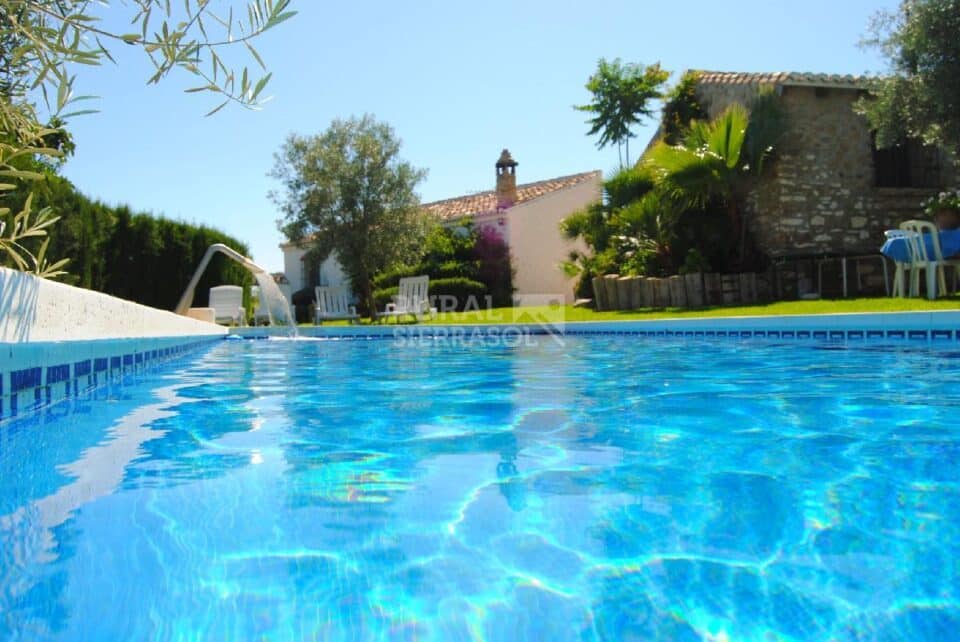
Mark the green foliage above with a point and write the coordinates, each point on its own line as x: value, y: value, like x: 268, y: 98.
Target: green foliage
x: 150, y: 260
x: 621, y: 94
x: 134, y: 256
x: 383, y: 296
x: 694, y: 262
x: 921, y: 97
x: 943, y: 201
x: 476, y: 255
x: 447, y: 270
x: 628, y: 185
x: 626, y: 233
x: 347, y: 190
x: 712, y: 164
x: 23, y: 228
x: 40, y: 40
x: 707, y: 165
x: 462, y: 292
x: 766, y: 125
x: 681, y: 107
x: 51, y: 35
x: 678, y: 209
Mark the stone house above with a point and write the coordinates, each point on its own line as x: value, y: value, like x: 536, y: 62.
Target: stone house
x: 526, y: 216
x: 830, y: 192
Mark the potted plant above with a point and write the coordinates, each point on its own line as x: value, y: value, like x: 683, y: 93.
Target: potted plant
x: 944, y: 209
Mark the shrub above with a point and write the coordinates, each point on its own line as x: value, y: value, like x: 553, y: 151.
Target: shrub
x: 680, y: 107
x: 446, y: 270
x: 131, y: 255
x: 460, y: 289
x: 383, y: 296
x: 392, y: 277
x: 474, y: 255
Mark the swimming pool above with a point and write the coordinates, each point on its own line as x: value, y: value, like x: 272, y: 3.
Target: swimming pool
x: 598, y: 488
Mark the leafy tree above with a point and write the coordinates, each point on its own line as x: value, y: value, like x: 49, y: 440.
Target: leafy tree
x: 681, y: 106
x: 679, y: 209
x: 347, y: 191
x: 132, y: 255
x: 624, y: 232
x: 41, y: 41
x: 621, y: 94
x: 707, y: 165
x: 921, y: 97
x: 715, y: 159
x: 467, y: 252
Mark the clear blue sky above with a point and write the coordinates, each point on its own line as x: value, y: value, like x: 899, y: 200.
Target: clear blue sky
x: 458, y: 81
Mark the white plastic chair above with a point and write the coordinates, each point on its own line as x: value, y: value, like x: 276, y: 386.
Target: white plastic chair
x: 227, y: 303
x: 333, y: 304
x: 923, y: 259
x: 412, y: 298
x: 901, y: 267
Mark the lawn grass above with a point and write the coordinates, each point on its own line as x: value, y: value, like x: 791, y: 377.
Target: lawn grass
x: 780, y: 308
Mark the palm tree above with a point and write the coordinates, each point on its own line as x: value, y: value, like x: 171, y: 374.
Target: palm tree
x: 706, y: 165
x: 716, y: 158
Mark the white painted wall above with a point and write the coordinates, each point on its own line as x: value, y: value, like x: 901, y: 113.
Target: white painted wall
x: 293, y: 266
x: 331, y: 273
x: 34, y: 309
x: 536, y: 245
x: 531, y: 230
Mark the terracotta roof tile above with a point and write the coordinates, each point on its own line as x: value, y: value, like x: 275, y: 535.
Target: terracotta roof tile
x: 486, y: 202
x: 483, y: 202
x: 783, y: 78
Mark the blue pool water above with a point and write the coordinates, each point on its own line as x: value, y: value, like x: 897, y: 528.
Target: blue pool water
x: 612, y: 488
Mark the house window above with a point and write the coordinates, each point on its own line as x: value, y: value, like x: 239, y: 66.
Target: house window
x: 910, y: 164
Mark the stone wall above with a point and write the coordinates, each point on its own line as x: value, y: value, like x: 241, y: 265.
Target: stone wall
x: 818, y: 197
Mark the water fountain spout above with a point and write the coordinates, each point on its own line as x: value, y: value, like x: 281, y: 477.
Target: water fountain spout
x: 278, y: 308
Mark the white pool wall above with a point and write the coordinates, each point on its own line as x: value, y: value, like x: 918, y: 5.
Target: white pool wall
x: 35, y: 309
x: 57, y: 340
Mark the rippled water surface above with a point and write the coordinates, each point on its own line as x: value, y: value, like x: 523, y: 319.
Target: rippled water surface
x: 613, y: 488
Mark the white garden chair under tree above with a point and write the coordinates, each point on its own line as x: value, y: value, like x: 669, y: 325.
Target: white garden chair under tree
x: 333, y: 304
x: 412, y: 299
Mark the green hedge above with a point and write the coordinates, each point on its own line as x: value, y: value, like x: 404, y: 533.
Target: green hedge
x: 460, y: 288
x: 446, y: 270
x: 135, y: 256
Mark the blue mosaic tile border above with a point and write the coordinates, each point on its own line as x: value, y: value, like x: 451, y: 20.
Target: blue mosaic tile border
x: 812, y: 334
x: 32, y: 387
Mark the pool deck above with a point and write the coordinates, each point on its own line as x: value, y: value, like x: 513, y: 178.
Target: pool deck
x: 940, y: 325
